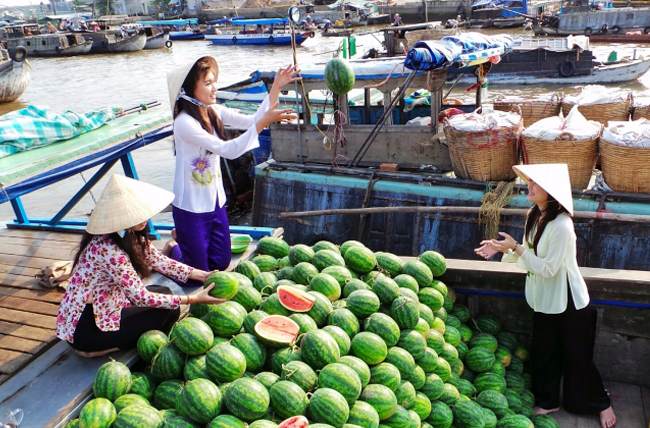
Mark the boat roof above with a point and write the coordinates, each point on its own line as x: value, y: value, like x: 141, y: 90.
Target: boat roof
x: 260, y: 21
x: 552, y: 44
x: 410, y: 27
x: 173, y: 22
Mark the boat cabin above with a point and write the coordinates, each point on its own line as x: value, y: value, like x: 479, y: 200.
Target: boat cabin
x: 20, y: 31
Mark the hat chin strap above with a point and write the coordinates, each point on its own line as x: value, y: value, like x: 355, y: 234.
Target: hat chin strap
x: 194, y: 101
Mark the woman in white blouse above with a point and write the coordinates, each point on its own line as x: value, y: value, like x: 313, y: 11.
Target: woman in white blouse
x: 199, y: 211
x: 564, y: 324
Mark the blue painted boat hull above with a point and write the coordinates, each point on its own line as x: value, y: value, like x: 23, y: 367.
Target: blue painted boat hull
x: 279, y: 40
x: 185, y: 35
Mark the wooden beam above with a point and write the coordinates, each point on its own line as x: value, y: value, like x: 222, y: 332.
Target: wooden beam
x: 26, y: 331
x: 26, y: 260
x: 42, y: 295
x: 10, y: 361
x: 19, y: 344
x: 27, y: 305
x: 26, y: 318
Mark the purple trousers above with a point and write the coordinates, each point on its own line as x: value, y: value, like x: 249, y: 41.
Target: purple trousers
x: 203, y: 239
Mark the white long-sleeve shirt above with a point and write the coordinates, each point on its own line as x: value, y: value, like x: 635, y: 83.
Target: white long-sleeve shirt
x: 546, y: 282
x: 197, y: 180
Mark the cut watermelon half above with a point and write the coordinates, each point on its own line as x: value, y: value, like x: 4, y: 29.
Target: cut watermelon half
x: 294, y: 422
x: 277, y: 330
x: 294, y: 299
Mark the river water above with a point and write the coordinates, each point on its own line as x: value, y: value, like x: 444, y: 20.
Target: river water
x: 86, y: 82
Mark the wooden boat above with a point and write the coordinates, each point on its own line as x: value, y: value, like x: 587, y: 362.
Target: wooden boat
x: 39, y: 43
x: 156, y: 38
x: 336, y: 33
x: 14, y: 74
x: 106, y: 41
x: 636, y: 37
x: 266, y: 31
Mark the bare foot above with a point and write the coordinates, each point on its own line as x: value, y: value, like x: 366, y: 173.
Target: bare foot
x: 542, y: 411
x: 607, y: 418
x: 167, y: 249
x: 96, y: 353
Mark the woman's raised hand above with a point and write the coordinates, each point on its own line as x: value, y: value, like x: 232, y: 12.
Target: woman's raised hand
x: 490, y: 247
x: 284, y: 76
x: 275, y: 115
x: 486, y: 250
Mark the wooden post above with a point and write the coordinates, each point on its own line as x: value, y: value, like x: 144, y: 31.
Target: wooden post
x: 387, y: 100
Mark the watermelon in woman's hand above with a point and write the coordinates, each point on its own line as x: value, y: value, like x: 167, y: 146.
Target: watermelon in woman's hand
x: 225, y: 285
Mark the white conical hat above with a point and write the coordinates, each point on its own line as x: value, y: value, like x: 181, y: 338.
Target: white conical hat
x: 126, y: 202
x: 552, y: 177
x: 176, y: 77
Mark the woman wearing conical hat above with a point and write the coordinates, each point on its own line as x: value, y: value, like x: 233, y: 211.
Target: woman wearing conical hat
x: 564, y: 324
x: 106, y: 306
x: 199, y: 211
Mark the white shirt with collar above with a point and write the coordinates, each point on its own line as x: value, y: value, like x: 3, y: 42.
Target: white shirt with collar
x: 546, y: 281
x: 197, y: 180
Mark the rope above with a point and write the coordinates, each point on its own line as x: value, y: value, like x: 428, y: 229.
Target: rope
x: 491, y: 204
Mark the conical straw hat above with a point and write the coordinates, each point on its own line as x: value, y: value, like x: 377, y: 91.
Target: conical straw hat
x: 125, y: 203
x: 552, y: 177
x: 176, y: 77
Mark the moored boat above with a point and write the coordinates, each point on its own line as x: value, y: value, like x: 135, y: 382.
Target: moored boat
x: 115, y: 41
x: 39, y: 43
x: 268, y: 31
x: 14, y: 74
x: 156, y: 38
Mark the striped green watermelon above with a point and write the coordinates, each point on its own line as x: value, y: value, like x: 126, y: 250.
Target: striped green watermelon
x: 479, y: 359
x: 305, y: 322
x: 422, y: 327
x: 386, y: 289
x: 252, y: 349
x: 285, y: 274
x: 468, y: 413
x: 419, y: 271
x: 149, y: 343
x: 99, y: 413
x: 435, y: 261
x: 401, y: 359
x: 359, y: 366
x: 464, y: 386
x: 450, y: 394
x: 225, y: 363
x: 489, y: 418
x: 508, y: 340
x: 226, y: 421
x: 199, y: 401
x: 452, y: 335
x: 198, y: 310
x: 363, y: 303
x: 288, y: 399
x: 326, y: 258
x: 267, y: 379
x: 325, y: 245
x: 457, y: 366
x: 364, y: 415
x: 225, y: 319
x: 192, y: 336
x: 435, y: 340
x: 341, y: 337
x: 248, y: 296
x: 428, y: 361
x: 341, y: 273
x: 299, y: 373
x: 339, y: 77
x: 405, y: 312
x: 498, y: 368
x: 243, y: 280
x: 129, y: 400
x: 441, y: 415
x: 247, y: 399
x: 443, y: 369
x: 344, y: 319
x: 167, y: 394
x: 405, y: 394
x: 516, y: 365
x: 515, y: 421
x: 283, y: 356
x: 112, y: 380
x: 138, y: 417
x: 417, y: 377
x: 503, y: 356
x: 515, y: 381
x: 383, y: 326
x: 360, y: 259
x: 431, y: 298
x: 489, y: 380
x: 389, y: 263
x: 225, y: 285
x: 284, y: 263
x: 386, y: 374
x: 413, y: 342
x: 370, y: 347
x: 409, y: 294
x: 488, y: 324
x: 329, y: 406
x: 401, y: 419
x: 382, y: 398
x: 545, y: 421
x: 466, y: 333
x: 407, y: 281
x: 319, y: 349
x: 484, y: 340
x: 248, y: 269
x: 449, y: 352
x: 272, y: 246
x: 461, y: 312
x: 449, y: 319
x: 195, y: 368
x: 433, y: 387
x: 521, y: 353
x: 494, y: 401
x: 303, y: 273
x: 450, y: 300
x: 301, y: 253
x: 171, y: 418
x: 349, y: 244
x: 327, y: 285
x: 462, y: 350
x: 370, y: 277
x: 514, y: 400
x: 265, y: 263
x: 422, y: 406
x: 527, y: 398
x: 253, y: 318
x: 265, y: 282
x: 142, y: 384
x: 321, y: 309
x: 73, y: 423
x: 439, y: 324
x: 341, y: 378
x: 441, y: 288
x: 273, y: 306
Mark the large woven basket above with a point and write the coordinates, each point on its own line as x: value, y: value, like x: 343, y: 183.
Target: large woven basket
x: 625, y: 169
x: 532, y: 110
x: 641, y: 112
x: 484, y: 155
x: 603, y: 113
x: 579, y: 155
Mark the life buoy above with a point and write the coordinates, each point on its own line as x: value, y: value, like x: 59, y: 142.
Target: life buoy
x: 168, y: 44
x: 311, y: 34
x: 234, y: 40
x: 646, y: 30
x: 616, y: 29
x: 588, y: 31
x: 20, y: 54
x: 567, y: 69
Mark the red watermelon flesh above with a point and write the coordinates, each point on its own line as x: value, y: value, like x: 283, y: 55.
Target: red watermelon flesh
x: 295, y: 422
x: 278, y: 329
x: 294, y: 299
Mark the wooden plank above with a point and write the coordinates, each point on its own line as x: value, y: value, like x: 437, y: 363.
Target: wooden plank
x: 34, y: 320
x: 26, y: 260
x: 3, y: 378
x: 44, y: 253
x: 19, y: 344
x: 42, y: 235
x: 19, y: 281
x: 26, y: 331
x: 627, y: 403
x: 43, y: 295
x: 10, y: 361
x: 28, y: 305
x: 37, y: 243
x: 18, y: 270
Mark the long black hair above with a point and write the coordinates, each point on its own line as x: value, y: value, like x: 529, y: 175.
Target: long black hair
x: 134, y: 244
x: 538, y: 219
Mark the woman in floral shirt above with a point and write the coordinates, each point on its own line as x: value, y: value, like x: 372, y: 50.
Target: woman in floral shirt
x: 106, y: 306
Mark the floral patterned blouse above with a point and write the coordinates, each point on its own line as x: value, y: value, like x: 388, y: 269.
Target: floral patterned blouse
x: 105, y: 276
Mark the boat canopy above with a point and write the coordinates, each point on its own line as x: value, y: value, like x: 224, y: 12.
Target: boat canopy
x: 171, y: 22
x: 260, y: 21
x: 357, y: 4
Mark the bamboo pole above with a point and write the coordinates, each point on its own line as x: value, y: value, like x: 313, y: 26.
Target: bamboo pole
x: 458, y: 210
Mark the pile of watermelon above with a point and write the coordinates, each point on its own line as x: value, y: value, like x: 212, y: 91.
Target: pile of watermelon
x: 343, y: 335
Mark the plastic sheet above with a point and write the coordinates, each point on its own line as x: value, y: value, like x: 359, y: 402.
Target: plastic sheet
x: 574, y: 124
x: 630, y: 134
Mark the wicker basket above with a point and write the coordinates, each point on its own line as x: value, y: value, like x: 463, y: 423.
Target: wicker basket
x: 579, y: 155
x: 625, y: 169
x: 641, y: 112
x: 532, y: 110
x: 484, y: 155
x: 602, y: 113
